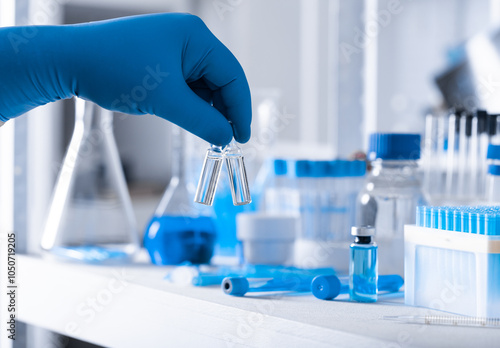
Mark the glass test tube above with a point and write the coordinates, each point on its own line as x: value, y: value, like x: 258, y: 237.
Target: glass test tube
x: 237, y: 174
x: 209, y: 175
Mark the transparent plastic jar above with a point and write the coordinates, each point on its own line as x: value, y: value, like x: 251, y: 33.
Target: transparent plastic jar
x: 391, y: 194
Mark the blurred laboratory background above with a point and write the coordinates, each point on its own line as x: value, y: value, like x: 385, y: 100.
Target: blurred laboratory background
x: 324, y: 75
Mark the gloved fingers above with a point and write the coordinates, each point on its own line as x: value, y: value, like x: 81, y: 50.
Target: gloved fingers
x: 218, y: 102
x: 195, y: 115
x: 220, y: 68
x: 202, y: 90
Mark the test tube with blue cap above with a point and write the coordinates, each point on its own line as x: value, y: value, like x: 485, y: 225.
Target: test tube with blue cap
x: 323, y: 286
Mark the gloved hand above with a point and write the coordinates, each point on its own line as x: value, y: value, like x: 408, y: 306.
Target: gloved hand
x: 169, y: 65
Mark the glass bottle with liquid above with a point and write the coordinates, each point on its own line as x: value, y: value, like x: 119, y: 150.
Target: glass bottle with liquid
x: 363, y: 266
x: 180, y: 231
x: 91, y: 217
x: 391, y: 194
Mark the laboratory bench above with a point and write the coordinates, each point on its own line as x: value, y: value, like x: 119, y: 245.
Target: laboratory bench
x: 134, y: 306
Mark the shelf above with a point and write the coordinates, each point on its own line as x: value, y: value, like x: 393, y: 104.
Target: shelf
x: 133, y: 306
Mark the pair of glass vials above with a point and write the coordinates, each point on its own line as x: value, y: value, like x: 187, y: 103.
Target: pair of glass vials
x: 210, y: 173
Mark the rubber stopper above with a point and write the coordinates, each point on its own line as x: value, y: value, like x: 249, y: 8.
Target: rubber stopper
x: 325, y: 287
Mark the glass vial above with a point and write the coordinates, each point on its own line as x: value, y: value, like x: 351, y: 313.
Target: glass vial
x: 209, y: 177
x: 238, y: 181
x: 363, y: 268
x: 91, y: 217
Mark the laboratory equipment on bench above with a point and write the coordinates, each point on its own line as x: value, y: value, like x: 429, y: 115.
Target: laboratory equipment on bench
x: 287, y: 279
x: 391, y: 194
x: 180, y: 231
x: 452, y: 257
x: 455, y: 155
x: 233, y: 157
x: 267, y: 238
x: 363, y: 265
x: 325, y: 199
x: 446, y: 320
x: 325, y: 286
x: 91, y: 218
x: 328, y: 287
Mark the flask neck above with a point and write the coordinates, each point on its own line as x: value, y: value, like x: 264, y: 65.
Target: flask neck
x: 178, y: 170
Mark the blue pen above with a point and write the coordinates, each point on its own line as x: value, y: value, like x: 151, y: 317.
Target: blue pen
x: 327, y: 287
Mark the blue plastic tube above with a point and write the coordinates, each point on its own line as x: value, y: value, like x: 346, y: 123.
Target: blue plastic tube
x: 325, y: 287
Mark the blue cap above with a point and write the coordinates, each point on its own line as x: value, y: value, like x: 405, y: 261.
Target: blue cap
x: 338, y: 168
x: 303, y: 168
x: 493, y: 152
x: 280, y: 167
x: 393, y: 146
x: 325, y: 287
x: 494, y: 169
x: 357, y: 168
x: 236, y: 286
x: 319, y: 168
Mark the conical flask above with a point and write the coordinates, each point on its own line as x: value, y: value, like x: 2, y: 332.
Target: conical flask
x: 180, y: 231
x: 91, y: 217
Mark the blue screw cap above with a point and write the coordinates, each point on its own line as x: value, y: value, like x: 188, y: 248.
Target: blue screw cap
x: 493, y: 152
x: 326, y: 287
x: 280, y: 167
x: 303, y: 168
x: 393, y: 146
x: 494, y: 169
x: 236, y: 286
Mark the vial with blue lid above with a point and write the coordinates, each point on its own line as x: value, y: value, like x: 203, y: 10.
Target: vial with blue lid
x: 363, y: 265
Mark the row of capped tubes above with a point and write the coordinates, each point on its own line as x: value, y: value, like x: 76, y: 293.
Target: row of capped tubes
x: 467, y: 219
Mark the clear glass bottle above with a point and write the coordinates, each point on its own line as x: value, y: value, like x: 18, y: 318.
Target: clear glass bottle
x: 493, y: 184
x: 91, y: 217
x: 391, y: 194
x: 180, y: 231
x: 363, y: 265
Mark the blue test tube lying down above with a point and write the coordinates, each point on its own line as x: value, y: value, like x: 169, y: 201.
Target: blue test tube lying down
x: 325, y: 287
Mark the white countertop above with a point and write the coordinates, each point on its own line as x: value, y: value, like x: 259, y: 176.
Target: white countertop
x: 133, y: 306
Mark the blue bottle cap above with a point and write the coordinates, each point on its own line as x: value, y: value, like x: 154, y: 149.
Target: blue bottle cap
x: 393, y: 146
x: 236, y: 286
x: 325, y: 287
x: 303, y: 168
x: 494, y: 169
x: 357, y: 168
x: 338, y: 168
x: 280, y: 167
x: 493, y: 152
x: 319, y: 169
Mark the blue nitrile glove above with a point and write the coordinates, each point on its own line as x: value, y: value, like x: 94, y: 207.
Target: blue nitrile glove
x: 169, y: 65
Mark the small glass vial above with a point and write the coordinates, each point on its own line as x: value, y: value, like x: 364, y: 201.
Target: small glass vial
x: 211, y: 171
x: 237, y: 174
x: 209, y: 175
x: 363, y: 268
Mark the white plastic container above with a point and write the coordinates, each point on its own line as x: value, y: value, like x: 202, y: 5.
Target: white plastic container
x: 452, y: 271
x: 267, y: 239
